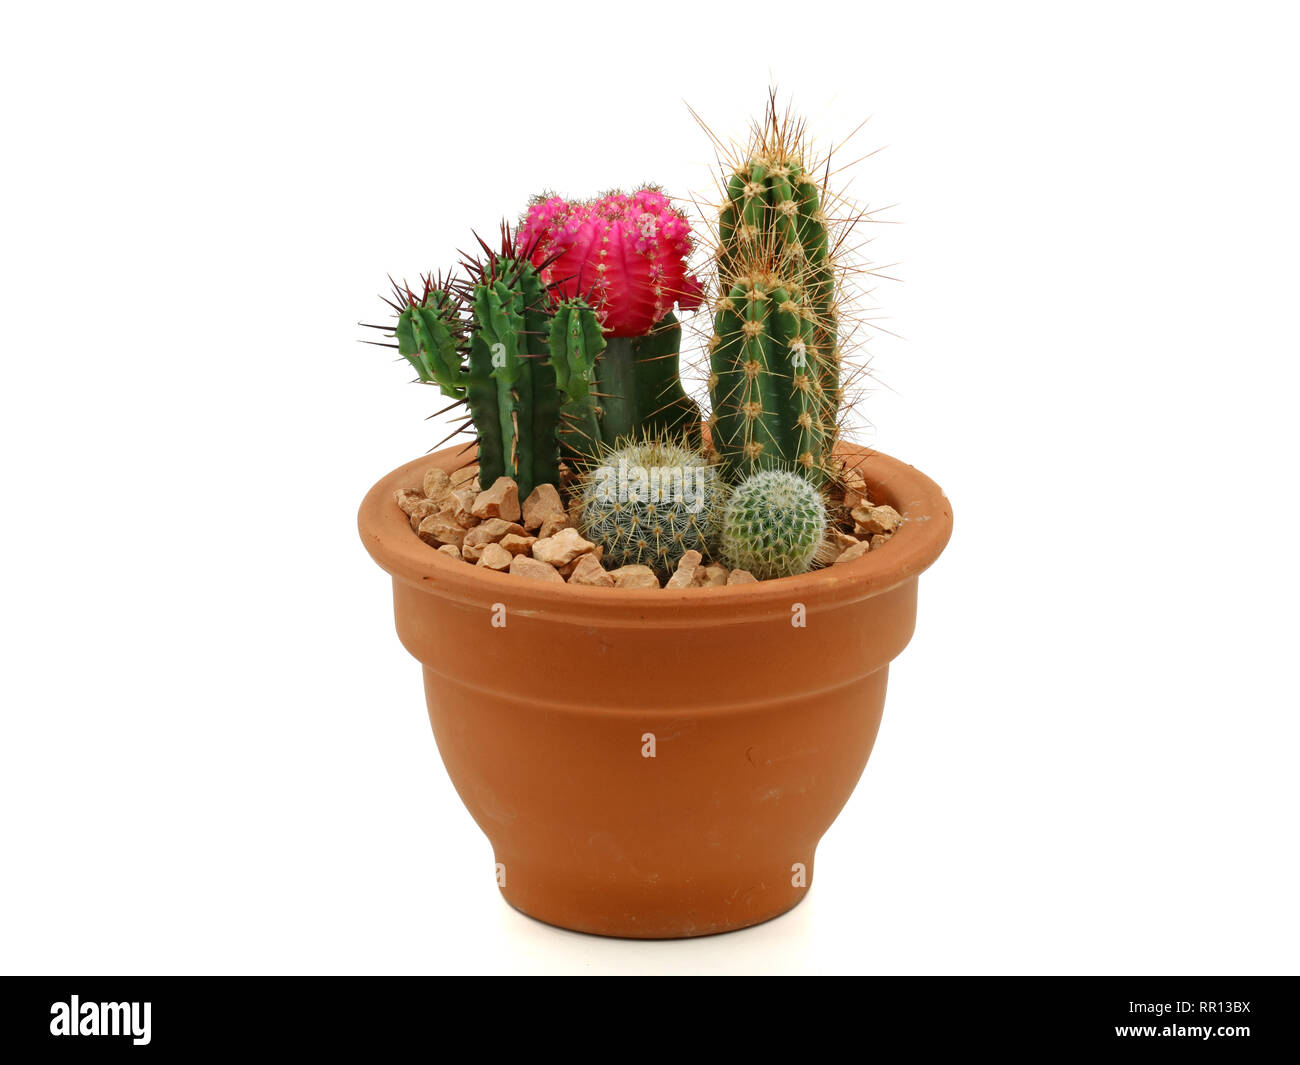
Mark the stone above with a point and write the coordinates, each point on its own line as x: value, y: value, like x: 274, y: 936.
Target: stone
x: 454, y: 504
x: 533, y: 570
x: 855, y: 489
x: 561, y: 548
x: 542, y: 502
x: 880, y: 539
x: 686, y: 567
x: 436, y: 482
x: 552, y: 524
x: 741, y: 576
x: 499, y: 501
x: 516, y: 544
x: 590, y: 572
x: 450, y: 549
x: 713, y: 575
x: 465, y: 477
x: 855, y: 552
x: 872, y: 520
x: 407, y: 499
x: 490, y: 532
x: 494, y: 556
x: 597, y: 553
x: 842, y: 540
x: 464, y: 503
x: 442, y: 528
x: 634, y: 576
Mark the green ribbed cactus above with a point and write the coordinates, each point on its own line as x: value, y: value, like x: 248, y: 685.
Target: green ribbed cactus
x: 511, y: 390
x: 775, y: 382
x: 649, y: 503
x: 576, y: 344
x: 496, y: 362
x: 773, y: 525
x: 641, y: 390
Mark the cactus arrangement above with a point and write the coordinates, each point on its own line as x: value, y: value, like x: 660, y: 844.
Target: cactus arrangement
x: 564, y: 345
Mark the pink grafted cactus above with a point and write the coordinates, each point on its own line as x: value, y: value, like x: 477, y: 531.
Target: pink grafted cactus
x: 625, y: 255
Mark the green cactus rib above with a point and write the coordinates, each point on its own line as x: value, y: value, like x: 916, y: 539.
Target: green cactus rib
x: 511, y: 389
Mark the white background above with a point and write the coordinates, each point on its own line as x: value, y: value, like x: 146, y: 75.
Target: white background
x: 214, y: 754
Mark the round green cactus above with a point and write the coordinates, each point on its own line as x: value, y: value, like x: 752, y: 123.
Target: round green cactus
x: 649, y: 503
x: 773, y: 525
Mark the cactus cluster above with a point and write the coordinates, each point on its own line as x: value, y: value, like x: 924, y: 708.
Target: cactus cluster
x: 564, y: 347
x: 649, y: 503
x: 773, y: 524
x: 775, y: 364
x: 485, y: 342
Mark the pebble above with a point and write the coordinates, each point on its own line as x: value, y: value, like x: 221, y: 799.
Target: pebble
x: 542, y: 502
x: 561, y: 548
x: 713, y: 575
x: 442, y: 528
x: 436, y: 482
x: 523, y: 566
x: 634, y: 576
x: 516, y: 544
x: 499, y: 501
x: 686, y: 567
x: 494, y: 556
x: 855, y: 552
x: 872, y: 520
x: 590, y: 572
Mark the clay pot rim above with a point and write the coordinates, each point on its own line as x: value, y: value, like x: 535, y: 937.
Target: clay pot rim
x: 386, y: 532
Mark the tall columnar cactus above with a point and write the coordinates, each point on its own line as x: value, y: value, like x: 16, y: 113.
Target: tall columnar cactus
x: 775, y: 386
x: 649, y: 503
x: 773, y: 525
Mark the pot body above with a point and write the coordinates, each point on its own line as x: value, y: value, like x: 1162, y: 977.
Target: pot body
x: 651, y: 763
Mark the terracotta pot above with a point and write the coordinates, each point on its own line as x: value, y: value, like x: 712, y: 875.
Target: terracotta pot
x: 761, y: 727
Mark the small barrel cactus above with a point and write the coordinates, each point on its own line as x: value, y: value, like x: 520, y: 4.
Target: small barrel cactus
x: 649, y: 503
x: 773, y: 525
